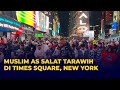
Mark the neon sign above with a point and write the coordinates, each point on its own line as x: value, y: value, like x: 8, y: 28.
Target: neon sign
x: 4, y: 20
x: 83, y: 23
x: 9, y: 26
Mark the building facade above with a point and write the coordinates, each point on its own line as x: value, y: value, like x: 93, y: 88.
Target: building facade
x: 72, y: 22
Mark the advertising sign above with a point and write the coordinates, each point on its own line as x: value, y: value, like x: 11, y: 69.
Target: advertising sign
x: 114, y: 26
x: 58, y: 29
x: 47, y: 22
x: 27, y: 17
x: 38, y: 35
x: 88, y: 34
x: 53, y: 33
x: 37, y: 20
x: 42, y: 21
x: 9, y: 25
x: 82, y: 21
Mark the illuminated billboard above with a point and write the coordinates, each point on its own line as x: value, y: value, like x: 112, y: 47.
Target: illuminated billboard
x: 88, y: 34
x: 42, y: 22
x: 38, y: 35
x: 114, y: 26
x: 58, y: 29
x: 82, y: 21
x: 47, y: 22
x: 37, y: 18
x: 27, y: 17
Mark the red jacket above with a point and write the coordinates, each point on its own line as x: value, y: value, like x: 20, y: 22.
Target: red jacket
x: 2, y: 42
x: 109, y: 57
x: 54, y: 46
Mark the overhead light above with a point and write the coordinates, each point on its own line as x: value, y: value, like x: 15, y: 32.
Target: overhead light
x: 96, y: 25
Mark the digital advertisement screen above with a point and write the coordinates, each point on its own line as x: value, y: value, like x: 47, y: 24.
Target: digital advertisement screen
x: 37, y: 16
x: 9, y: 25
x: 88, y: 34
x: 38, y: 34
x: 53, y: 33
x: 42, y: 22
x: 54, y: 26
x: 47, y: 22
x: 27, y: 17
x: 114, y: 26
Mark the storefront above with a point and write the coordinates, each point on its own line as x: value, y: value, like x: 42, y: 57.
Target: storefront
x: 10, y: 27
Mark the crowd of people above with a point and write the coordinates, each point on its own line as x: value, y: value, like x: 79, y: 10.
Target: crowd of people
x: 106, y: 52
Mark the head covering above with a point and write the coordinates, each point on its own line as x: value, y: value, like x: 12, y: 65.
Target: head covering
x: 82, y: 45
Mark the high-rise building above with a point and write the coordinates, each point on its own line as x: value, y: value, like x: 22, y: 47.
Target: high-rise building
x: 72, y: 22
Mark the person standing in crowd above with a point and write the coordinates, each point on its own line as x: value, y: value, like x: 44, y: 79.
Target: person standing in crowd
x: 54, y: 45
x: 96, y: 55
x: 74, y: 51
x: 1, y: 41
x: 99, y: 47
x: 5, y: 39
x: 90, y: 45
x: 15, y: 47
x: 21, y: 52
x: 65, y: 49
x: 56, y: 53
x: 109, y: 57
x: 83, y: 53
x: 118, y: 49
x: 28, y: 50
x: 114, y: 46
x: 39, y: 52
x: 8, y: 50
x: 49, y: 52
x: 1, y: 53
x: 44, y: 46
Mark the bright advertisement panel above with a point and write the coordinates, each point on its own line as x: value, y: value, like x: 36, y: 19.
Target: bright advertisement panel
x: 53, y: 33
x: 42, y: 21
x: 27, y: 17
x: 37, y: 20
x: 114, y: 26
x: 47, y: 22
x: 88, y: 34
x: 82, y: 21
x: 54, y: 26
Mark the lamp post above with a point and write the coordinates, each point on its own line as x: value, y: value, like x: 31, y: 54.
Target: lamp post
x: 94, y: 27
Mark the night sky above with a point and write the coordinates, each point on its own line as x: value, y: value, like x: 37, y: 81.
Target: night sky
x: 64, y: 21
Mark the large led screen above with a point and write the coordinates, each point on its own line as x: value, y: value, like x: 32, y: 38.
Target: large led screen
x: 42, y: 21
x: 47, y: 22
x: 37, y: 18
x: 27, y: 17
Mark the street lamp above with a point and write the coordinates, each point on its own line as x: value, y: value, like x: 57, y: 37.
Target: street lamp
x: 94, y: 26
